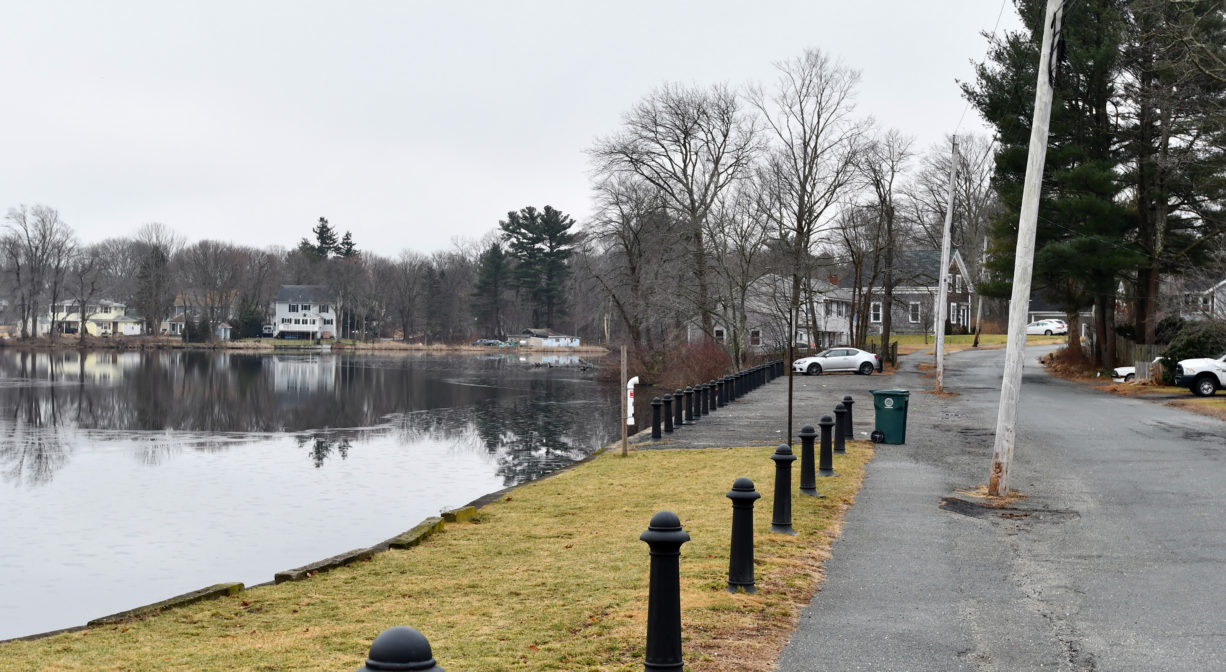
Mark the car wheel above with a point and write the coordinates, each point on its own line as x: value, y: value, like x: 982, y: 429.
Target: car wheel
x: 1204, y: 386
x: 866, y: 369
x: 1047, y: 333
x: 1128, y: 378
x: 814, y: 369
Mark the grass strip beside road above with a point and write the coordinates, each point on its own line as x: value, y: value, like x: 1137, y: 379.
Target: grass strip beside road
x: 551, y: 577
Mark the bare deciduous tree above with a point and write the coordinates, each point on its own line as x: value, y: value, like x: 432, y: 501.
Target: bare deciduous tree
x: 813, y: 138
x: 690, y: 144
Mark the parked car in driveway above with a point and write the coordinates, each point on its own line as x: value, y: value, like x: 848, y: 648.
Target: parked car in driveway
x: 1047, y: 328
x: 1126, y: 374
x: 837, y: 359
x: 1202, y: 375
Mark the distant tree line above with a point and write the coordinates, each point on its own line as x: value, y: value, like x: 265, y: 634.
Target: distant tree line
x: 517, y: 278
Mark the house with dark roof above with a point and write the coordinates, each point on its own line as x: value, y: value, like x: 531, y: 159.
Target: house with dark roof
x: 304, y: 312
x: 916, y: 277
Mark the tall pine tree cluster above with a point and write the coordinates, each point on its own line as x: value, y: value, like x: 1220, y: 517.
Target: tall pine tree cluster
x: 1135, y: 179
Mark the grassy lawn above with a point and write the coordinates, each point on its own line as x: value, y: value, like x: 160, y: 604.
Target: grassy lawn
x: 551, y: 577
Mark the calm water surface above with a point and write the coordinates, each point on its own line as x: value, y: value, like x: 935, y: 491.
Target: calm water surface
x: 126, y: 478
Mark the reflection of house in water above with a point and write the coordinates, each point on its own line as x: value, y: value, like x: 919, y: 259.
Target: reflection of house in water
x: 297, y: 375
x: 99, y: 368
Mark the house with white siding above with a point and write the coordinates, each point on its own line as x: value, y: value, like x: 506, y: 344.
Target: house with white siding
x: 304, y: 312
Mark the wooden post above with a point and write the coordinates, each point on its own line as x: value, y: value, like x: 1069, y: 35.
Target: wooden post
x: 1023, y: 269
x: 625, y: 415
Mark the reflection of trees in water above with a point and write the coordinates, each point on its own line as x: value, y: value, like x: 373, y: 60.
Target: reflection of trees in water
x: 519, y: 414
x: 32, y: 449
x: 323, y: 445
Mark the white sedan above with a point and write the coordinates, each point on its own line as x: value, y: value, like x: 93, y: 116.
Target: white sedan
x: 1047, y: 328
x: 837, y: 359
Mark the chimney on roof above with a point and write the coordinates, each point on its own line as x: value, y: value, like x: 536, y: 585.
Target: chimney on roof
x: 834, y: 279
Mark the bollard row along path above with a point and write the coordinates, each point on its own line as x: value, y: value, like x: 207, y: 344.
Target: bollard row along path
x: 758, y: 419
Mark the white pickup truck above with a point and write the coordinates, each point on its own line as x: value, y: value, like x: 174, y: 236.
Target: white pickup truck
x: 1203, y: 376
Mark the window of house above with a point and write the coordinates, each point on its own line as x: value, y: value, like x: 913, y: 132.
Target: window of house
x: 719, y: 335
x: 323, y: 308
x: 327, y: 320
x: 842, y: 309
x: 875, y: 312
x: 293, y: 307
x: 755, y: 337
x: 957, y: 284
x: 913, y: 312
x: 953, y: 313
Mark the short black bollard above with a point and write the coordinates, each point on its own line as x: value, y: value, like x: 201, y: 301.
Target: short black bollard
x: 701, y: 407
x: 740, y: 554
x: 729, y: 390
x: 656, y: 403
x: 720, y: 401
x: 664, y: 537
x: 712, y: 396
x: 808, y: 480
x: 668, y: 412
x: 825, y: 465
x: 781, y: 515
x: 689, y: 405
x: 847, y: 429
x: 840, y: 427
x: 400, y: 648
x: 679, y: 403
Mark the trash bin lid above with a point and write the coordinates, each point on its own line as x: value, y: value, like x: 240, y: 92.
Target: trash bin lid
x: 897, y: 393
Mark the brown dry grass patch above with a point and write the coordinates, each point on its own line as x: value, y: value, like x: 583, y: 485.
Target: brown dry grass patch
x: 551, y: 577
x: 1211, y: 406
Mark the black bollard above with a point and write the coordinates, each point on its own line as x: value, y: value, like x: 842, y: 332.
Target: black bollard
x: 840, y: 427
x: 719, y: 392
x: 401, y: 648
x: 825, y: 465
x: 689, y: 405
x: 808, y: 481
x: 679, y: 412
x: 668, y: 412
x: 847, y: 430
x: 740, y: 554
x: 656, y: 403
x: 701, y: 407
x: 729, y: 390
x: 664, y: 537
x: 781, y: 515
x: 712, y: 396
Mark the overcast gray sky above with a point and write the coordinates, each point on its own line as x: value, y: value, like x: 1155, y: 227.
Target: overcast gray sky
x: 408, y: 123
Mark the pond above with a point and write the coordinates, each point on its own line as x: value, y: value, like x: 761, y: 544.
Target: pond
x: 129, y: 477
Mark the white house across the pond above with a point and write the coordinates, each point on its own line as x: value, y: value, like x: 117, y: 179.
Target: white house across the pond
x: 304, y: 312
x: 547, y: 338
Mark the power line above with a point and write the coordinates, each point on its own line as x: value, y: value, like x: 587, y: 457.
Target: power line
x: 996, y: 25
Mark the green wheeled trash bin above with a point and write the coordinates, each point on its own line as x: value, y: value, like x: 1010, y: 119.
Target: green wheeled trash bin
x: 891, y: 415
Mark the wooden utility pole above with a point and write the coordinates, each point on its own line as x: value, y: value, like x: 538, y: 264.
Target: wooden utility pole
x: 943, y: 283
x: 1015, y: 353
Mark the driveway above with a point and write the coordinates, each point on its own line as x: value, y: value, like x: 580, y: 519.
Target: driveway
x: 1114, y: 560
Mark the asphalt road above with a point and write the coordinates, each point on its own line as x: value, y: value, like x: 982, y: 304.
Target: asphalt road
x: 1114, y: 560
